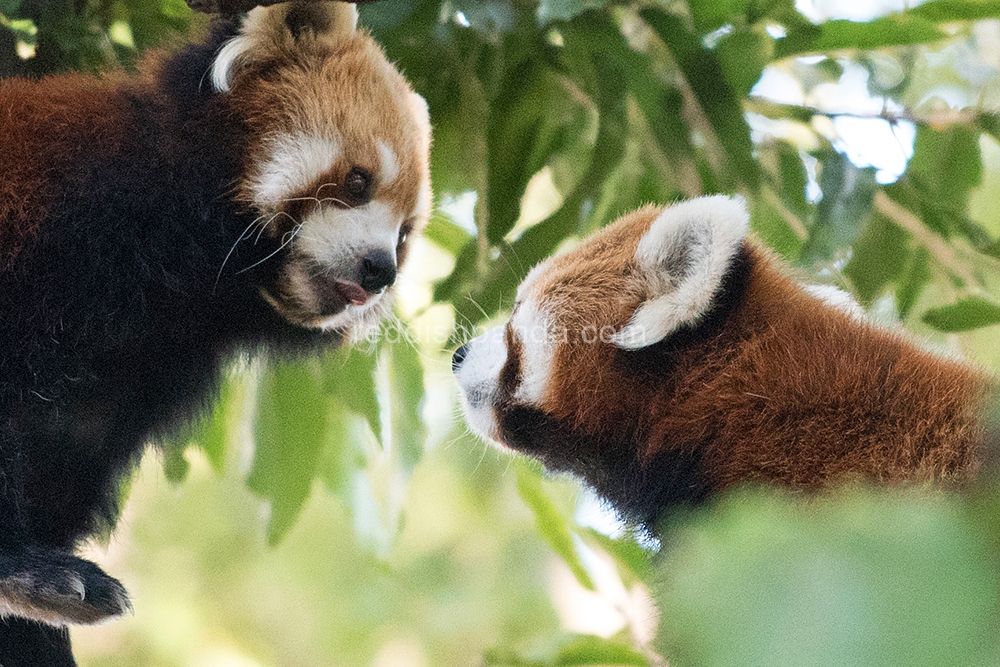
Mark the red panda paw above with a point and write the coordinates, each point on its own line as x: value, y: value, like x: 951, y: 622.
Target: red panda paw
x: 56, y: 588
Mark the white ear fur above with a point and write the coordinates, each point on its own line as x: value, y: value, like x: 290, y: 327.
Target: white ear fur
x: 265, y: 27
x: 684, y: 254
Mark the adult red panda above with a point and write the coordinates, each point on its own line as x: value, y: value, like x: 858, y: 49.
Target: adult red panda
x: 668, y: 357
x: 251, y: 192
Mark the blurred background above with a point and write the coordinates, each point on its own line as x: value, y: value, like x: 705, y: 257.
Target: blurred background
x: 337, y: 512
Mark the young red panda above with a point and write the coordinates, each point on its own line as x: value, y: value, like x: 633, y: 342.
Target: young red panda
x: 668, y: 357
x: 252, y: 192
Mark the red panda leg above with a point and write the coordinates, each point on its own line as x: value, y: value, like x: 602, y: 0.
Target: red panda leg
x: 25, y: 643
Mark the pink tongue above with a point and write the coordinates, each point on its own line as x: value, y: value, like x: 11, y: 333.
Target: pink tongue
x: 352, y: 292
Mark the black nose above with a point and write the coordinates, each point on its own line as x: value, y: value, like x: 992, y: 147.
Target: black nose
x: 458, y: 358
x: 378, y: 271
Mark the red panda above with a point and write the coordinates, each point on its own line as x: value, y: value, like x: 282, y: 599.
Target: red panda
x: 254, y: 192
x: 668, y: 357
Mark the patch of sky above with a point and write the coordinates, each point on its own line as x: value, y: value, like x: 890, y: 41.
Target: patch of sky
x: 461, y: 209
x: 818, y: 11
x: 864, y: 127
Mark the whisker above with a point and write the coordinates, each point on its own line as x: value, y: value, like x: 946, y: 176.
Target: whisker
x: 285, y: 241
x: 246, y: 234
x: 478, y: 307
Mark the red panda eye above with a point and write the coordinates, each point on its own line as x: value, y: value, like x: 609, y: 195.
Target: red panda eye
x: 358, y: 186
x: 404, y: 232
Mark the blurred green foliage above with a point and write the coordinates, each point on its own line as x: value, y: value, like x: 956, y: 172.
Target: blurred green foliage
x: 857, y: 578
x: 869, y: 153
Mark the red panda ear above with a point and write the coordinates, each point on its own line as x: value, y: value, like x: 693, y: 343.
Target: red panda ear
x: 684, y: 256
x: 267, y: 32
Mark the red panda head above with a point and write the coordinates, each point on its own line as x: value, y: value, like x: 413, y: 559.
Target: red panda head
x: 625, y: 288
x: 667, y: 357
x: 337, y: 168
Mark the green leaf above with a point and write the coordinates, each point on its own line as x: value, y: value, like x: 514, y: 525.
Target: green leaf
x: 488, y: 17
x: 384, y: 16
x: 970, y: 313
x: 774, y: 230
x: 943, y: 11
x: 555, y: 10
x: 848, y: 193
x: 9, y: 8
x: 743, y: 54
x: 945, y: 166
x: 893, y: 30
x: 625, y: 550
x: 709, y: 15
x: 343, y: 456
x: 794, y: 179
x: 592, y: 650
x: 447, y: 78
x: 349, y: 374
x: 515, y: 126
x: 175, y: 466
x: 852, y: 578
x: 880, y: 255
x: 705, y: 76
x: 463, y: 278
x: 569, y: 651
x: 214, y: 433
x: 477, y: 297
x: 290, y: 431
x: 502, y: 657
x: 552, y: 525
x: 916, y: 276
x: 213, y: 436
x: 406, y: 386
x: 446, y: 233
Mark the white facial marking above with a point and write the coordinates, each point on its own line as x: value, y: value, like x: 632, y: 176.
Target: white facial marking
x: 837, y: 298
x: 297, y: 160
x: 330, y: 233
x: 390, y: 163
x: 478, y: 377
x: 532, y: 327
x: 685, y: 254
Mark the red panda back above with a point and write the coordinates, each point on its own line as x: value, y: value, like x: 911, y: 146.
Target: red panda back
x: 799, y: 393
x: 48, y: 127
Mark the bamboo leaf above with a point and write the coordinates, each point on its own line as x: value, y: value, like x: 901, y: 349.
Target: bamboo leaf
x: 942, y: 11
x: 970, y: 313
x: 894, y: 30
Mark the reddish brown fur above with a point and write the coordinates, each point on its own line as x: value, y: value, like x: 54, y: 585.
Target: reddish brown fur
x: 789, y: 390
x: 799, y: 393
x: 44, y: 125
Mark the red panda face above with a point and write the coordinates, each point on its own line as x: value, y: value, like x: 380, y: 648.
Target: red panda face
x: 579, y: 318
x: 338, y: 168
